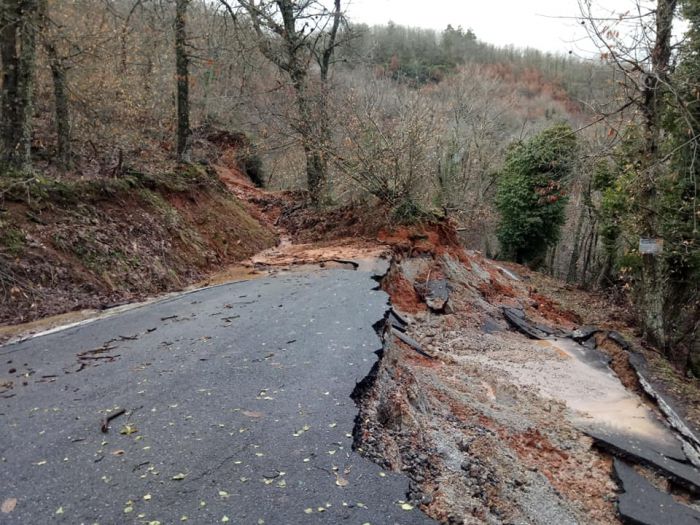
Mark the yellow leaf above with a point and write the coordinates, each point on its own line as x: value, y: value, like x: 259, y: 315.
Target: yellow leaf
x: 127, y: 430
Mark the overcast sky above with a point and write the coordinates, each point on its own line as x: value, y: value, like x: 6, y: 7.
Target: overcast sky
x: 524, y: 23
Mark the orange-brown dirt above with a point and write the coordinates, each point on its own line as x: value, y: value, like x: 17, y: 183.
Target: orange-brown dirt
x: 562, y: 470
x: 403, y: 294
x: 92, y: 243
x: 491, y: 433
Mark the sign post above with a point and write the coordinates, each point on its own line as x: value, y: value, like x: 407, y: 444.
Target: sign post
x: 649, y: 246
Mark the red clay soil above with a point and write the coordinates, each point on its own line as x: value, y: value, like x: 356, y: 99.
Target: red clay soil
x: 494, y: 290
x: 564, y: 472
x: 620, y: 363
x: 403, y: 294
x: 436, y: 238
x: 553, y: 311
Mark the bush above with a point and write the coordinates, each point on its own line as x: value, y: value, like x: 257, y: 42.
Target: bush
x: 531, y: 197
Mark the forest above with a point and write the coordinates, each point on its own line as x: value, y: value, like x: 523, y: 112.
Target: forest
x: 573, y: 166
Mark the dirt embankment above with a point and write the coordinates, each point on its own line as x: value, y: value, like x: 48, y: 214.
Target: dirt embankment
x: 74, y: 244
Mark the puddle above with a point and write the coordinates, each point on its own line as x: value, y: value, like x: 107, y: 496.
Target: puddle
x: 40, y: 325
x: 590, y: 389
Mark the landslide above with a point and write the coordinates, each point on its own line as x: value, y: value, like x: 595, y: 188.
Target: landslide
x: 489, y: 425
x: 76, y: 243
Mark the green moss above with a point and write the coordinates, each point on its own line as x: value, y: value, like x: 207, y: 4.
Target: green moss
x: 35, y: 190
x: 12, y: 239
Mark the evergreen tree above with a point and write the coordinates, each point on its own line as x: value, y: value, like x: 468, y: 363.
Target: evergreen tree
x: 531, y: 197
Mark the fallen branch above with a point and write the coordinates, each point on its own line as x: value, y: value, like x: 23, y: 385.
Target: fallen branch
x: 104, y: 424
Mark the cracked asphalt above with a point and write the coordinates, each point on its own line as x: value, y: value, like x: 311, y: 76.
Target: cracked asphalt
x: 238, y: 410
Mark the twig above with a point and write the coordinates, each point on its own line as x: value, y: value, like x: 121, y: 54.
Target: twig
x: 104, y: 424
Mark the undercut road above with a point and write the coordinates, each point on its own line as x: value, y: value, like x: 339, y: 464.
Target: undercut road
x: 238, y: 410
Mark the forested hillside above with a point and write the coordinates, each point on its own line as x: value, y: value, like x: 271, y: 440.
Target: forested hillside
x: 555, y: 161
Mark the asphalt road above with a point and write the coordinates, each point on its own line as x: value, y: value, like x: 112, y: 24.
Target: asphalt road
x: 238, y: 411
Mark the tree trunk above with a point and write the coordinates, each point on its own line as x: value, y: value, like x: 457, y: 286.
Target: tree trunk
x: 62, y: 112
x: 572, y: 273
x: 182, y: 71
x: 18, y: 30
x: 576, y: 250
x: 589, y: 244
x: 653, y: 286
x: 310, y: 128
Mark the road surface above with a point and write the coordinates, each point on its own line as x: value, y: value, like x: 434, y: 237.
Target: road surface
x: 238, y: 410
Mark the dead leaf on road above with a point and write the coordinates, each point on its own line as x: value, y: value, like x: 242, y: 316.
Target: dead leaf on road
x: 127, y: 430
x: 341, y: 481
x: 250, y: 413
x: 8, y: 505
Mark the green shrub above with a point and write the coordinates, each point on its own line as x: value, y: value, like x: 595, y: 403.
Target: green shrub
x: 531, y: 197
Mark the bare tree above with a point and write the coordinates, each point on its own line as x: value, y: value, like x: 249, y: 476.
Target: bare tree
x: 643, y: 59
x: 183, y: 81
x: 292, y: 35
x: 18, y: 30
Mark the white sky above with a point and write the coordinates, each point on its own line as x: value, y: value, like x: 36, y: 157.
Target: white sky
x: 523, y: 23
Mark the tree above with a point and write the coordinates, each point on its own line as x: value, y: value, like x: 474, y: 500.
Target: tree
x: 50, y: 37
x: 653, y: 194
x: 679, y: 212
x: 531, y: 198
x: 388, y: 149
x: 19, y: 21
x: 183, y: 81
x: 291, y: 35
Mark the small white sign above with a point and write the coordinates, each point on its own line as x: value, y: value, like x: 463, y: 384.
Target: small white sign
x: 650, y: 246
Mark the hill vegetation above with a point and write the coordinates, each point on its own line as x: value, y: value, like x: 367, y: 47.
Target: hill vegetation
x: 104, y: 97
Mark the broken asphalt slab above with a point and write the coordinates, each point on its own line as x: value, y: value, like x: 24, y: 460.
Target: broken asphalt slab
x: 237, y: 406
x: 517, y: 319
x: 668, y: 460
x: 643, y: 504
x: 666, y: 403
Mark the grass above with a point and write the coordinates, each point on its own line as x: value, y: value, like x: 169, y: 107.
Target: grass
x: 12, y: 239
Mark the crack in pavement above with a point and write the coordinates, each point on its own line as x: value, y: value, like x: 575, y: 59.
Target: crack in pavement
x: 293, y: 411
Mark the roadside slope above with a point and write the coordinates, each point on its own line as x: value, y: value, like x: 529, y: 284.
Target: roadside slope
x: 75, y: 244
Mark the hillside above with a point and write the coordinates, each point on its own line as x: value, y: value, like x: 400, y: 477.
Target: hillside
x: 92, y: 243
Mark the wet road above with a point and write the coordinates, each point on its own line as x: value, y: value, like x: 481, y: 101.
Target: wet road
x: 238, y: 410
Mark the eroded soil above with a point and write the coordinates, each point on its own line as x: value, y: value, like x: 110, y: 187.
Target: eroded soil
x: 490, y: 425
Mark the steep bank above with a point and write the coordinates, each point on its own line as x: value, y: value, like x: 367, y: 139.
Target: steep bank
x: 92, y: 243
